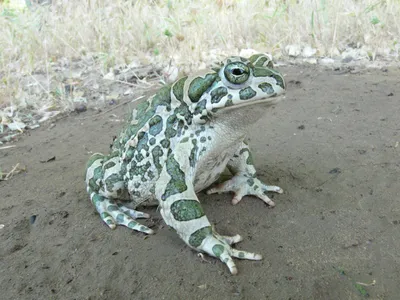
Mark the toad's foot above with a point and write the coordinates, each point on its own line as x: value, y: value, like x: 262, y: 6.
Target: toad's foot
x: 243, y: 185
x: 220, y: 246
x: 114, y: 214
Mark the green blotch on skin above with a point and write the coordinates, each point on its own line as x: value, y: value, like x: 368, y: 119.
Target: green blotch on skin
x: 177, y: 182
x: 132, y: 224
x: 199, y: 85
x: 263, y: 61
x: 112, y: 155
x: 129, y: 154
x: 186, y: 210
x: 93, y: 158
x: 157, y: 152
x: 202, y: 128
x: 228, y: 103
x: 97, y: 174
x: 218, y: 250
x: 136, y: 194
x: 123, y: 168
x: 197, y: 237
x: 200, y: 106
x: 250, y: 181
x: 139, y: 157
x: 193, y: 154
x: 170, y: 131
x: 140, y: 170
x: 111, y: 180
x: 165, y: 143
x: 109, y: 165
x: 142, y: 143
x: 249, y: 159
x: 183, y: 111
x: 262, y: 72
x: 241, y: 255
x: 96, y: 199
x: 202, y: 151
x: 203, y: 139
x: 218, y: 94
x: 180, y: 130
x: 177, y: 88
x: 184, y: 140
x: 151, y: 175
x: 120, y: 218
x: 279, y: 81
x: 266, y: 88
x: 256, y: 187
x: 156, y: 125
x: 247, y: 93
x: 163, y: 96
x: 152, y: 141
x: 104, y: 215
x: 112, y: 208
x: 143, y: 228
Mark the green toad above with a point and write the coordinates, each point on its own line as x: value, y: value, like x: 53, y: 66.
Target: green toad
x: 178, y: 142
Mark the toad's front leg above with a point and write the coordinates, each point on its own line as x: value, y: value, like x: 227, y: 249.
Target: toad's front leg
x: 181, y: 210
x: 244, y: 182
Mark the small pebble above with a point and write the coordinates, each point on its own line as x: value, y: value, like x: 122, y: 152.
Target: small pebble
x: 335, y: 171
x: 80, y: 108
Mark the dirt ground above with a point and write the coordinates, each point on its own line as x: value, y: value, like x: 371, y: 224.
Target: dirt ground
x: 332, y: 145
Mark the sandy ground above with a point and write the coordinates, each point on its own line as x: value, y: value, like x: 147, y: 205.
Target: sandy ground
x: 332, y: 145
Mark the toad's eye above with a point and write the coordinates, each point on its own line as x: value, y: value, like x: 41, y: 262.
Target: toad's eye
x: 237, y: 72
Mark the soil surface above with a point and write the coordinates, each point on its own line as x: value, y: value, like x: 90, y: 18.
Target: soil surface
x: 332, y: 144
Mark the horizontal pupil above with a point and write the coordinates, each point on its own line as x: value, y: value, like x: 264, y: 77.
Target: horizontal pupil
x: 237, y: 72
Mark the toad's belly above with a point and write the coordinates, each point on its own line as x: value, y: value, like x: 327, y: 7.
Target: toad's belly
x: 209, y: 169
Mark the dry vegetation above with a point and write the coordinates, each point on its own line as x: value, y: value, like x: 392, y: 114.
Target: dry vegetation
x: 187, y: 34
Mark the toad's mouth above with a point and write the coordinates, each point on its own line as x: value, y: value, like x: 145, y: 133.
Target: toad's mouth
x: 269, y: 101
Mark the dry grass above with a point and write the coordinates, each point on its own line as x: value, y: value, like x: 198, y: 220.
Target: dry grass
x: 189, y: 34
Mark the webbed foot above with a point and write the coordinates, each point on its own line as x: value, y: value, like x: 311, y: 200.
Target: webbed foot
x: 114, y: 214
x: 220, y: 246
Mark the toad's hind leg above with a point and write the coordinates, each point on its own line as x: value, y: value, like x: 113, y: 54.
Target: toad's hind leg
x: 103, y: 185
